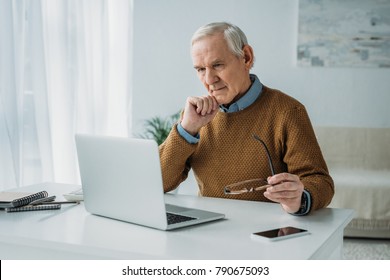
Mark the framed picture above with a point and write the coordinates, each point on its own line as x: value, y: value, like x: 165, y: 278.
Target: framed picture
x: 348, y: 33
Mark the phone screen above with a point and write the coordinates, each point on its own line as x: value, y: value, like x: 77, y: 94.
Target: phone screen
x: 281, y: 233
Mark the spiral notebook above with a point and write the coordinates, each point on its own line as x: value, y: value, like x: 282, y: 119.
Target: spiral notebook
x: 17, y: 199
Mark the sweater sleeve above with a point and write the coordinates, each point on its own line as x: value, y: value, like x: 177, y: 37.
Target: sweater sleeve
x: 174, y: 156
x: 303, y: 157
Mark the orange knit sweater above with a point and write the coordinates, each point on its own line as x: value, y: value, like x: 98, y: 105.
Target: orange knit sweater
x: 227, y: 152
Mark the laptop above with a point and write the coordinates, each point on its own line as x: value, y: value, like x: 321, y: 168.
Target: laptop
x: 121, y: 179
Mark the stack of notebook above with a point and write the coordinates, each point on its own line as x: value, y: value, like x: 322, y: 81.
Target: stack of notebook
x: 21, y: 201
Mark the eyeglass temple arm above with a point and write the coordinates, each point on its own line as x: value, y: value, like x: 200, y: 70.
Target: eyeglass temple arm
x: 268, y: 154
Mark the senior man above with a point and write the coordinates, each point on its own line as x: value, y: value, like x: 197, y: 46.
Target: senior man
x: 242, y: 139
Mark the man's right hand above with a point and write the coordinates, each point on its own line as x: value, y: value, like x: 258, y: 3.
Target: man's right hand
x: 198, y: 112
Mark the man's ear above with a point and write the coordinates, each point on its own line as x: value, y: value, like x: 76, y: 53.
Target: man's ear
x: 249, y: 57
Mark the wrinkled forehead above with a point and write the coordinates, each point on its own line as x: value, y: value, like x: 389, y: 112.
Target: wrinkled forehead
x: 210, y: 47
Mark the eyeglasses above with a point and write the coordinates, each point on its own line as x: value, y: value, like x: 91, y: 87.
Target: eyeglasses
x: 251, y: 185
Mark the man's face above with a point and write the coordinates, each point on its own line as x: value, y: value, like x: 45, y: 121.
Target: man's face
x: 225, y: 76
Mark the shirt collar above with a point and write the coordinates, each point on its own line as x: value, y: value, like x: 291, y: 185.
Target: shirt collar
x: 247, y: 99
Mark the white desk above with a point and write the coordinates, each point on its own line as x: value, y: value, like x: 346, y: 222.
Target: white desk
x: 73, y: 233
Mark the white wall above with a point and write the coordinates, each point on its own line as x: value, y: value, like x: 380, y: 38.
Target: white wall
x: 164, y: 77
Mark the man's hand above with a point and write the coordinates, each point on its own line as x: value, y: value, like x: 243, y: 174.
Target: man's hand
x: 286, y: 189
x: 198, y: 112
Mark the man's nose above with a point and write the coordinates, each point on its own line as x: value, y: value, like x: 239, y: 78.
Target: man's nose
x: 211, y: 76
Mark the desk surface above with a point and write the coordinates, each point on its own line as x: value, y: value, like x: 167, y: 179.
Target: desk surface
x: 73, y: 233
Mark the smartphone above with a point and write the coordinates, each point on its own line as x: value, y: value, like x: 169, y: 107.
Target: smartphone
x: 279, y: 233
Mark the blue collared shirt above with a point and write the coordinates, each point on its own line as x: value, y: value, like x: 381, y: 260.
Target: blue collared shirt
x: 248, y: 99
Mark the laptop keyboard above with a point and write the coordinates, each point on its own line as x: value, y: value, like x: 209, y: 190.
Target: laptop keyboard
x: 176, y: 218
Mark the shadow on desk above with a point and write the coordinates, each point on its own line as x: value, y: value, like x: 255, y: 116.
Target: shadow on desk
x: 125, y: 236
x: 53, y: 213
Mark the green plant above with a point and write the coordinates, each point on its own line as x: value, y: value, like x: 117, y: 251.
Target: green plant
x: 158, y: 128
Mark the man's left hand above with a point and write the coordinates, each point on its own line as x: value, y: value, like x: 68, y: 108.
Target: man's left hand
x: 286, y: 189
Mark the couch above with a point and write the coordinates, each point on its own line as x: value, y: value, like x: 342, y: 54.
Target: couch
x: 359, y: 162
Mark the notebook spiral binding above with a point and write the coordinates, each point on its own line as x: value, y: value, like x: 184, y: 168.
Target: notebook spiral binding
x: 33, y: 208
x: 28, y: 199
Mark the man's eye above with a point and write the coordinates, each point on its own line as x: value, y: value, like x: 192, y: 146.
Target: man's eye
x: 218, y: 65
x: 200, y: 70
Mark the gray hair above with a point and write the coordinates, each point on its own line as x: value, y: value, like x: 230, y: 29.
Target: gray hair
x: 234, y: 36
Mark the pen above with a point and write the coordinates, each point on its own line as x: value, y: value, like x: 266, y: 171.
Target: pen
x: 58, y: 202
x: 43, y: 200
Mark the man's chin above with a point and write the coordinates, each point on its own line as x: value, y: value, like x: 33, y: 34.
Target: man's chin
x: 221, y: 99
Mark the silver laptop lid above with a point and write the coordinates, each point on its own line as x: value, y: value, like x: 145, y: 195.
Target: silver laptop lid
x: 121, y: 179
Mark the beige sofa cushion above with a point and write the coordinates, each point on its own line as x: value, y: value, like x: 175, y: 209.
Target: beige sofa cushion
x: 355, y: 148
x: 359, y: 162
x: 368, y: 193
